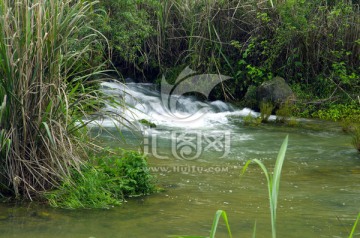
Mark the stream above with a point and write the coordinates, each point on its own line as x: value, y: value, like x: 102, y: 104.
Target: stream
x: 196, y: 153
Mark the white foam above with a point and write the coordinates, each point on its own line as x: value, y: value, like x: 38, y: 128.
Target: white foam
x: 143, y: 102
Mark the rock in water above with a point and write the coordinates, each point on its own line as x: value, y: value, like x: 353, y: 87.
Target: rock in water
x: 276, y: 91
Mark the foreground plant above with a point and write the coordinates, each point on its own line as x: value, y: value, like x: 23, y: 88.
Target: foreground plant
x: 43, y: 96
x: 218, y: 215
x: 354, y: 227
x: 273, y: 182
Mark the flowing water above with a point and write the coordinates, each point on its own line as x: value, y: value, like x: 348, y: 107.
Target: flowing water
x: 196, y: 153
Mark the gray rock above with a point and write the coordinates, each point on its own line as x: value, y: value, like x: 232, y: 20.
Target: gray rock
x: 276, y: 91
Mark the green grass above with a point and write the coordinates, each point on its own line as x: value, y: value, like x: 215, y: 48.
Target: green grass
x: 356, y: 138
x: 103, y: 182
x: 266, y: 109
x: 47, y: 88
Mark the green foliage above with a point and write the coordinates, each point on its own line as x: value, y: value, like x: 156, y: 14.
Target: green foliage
x: 273, y: 182
x: 103, y: 182
x: 356, y: 138
x: 249, y: 120
x: 127, y: 25
x: 248, y: 71
x: 310, y: 43
x: 218, y: 215
x: 338, y: 112
x: 44, y: 96
x: 88, y: 189
x: 292, y: 122
x: 266, y: 109
x: 284, y: 113
x: 354, y: 226
x: 249, y: 99
x: 347, y: 125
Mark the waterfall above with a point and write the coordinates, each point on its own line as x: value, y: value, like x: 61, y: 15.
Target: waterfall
x: 145, y: 101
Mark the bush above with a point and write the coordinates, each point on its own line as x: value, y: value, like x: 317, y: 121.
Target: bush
x: 107, y: 180
x: 338, y: 112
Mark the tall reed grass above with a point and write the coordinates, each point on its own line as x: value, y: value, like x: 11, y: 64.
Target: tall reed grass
x: 43, y: 95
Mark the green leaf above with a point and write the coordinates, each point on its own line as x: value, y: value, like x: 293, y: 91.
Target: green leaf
x: 354, y: 227
x: 218, y: 214
x: 51, y: 138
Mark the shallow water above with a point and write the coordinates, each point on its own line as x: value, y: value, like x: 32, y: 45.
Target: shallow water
x: 319, y: 193
x: 319, y: 189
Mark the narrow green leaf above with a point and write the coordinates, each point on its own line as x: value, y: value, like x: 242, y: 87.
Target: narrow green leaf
x: 254, y: 231
x: 218, y: 214
x: 48, y: 132
x: 354, y: 226
x: 277, y: 172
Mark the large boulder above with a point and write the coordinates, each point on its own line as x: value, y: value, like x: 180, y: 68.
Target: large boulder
x: 275, y: 91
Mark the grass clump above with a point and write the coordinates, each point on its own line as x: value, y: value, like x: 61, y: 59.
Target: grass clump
x: 249, y: 120
x: 43, y: 92
x: 266, y: 109
x: 284, y: 113
x: 105, y: 181
x: 356, y: 138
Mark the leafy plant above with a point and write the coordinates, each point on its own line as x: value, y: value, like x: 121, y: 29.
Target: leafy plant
x: 273, y: 181
x: 338, y: 112
x: 105, y: 181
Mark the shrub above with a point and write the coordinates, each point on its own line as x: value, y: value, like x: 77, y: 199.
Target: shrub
x: 337, y: 112
x: 105, y: 181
